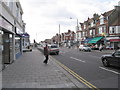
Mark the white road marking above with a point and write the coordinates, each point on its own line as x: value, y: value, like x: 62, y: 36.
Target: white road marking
x: 77, y: 59
x: 109, y: 70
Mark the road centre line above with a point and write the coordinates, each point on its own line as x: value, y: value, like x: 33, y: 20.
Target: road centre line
x: 109, y: 70
x: 77, y: 59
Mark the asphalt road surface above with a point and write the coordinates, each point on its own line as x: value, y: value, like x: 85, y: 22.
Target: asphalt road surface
x: 88, y: 65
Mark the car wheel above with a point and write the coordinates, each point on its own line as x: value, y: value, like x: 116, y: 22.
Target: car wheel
x: 105, y: 62
x: 89, y: 50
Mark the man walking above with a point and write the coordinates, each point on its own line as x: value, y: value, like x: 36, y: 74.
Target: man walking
x: 46, y: 53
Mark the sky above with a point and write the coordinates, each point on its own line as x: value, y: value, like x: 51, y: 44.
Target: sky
x: 42, y: 17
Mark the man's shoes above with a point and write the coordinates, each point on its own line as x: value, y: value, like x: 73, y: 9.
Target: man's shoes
x: 45, y: 62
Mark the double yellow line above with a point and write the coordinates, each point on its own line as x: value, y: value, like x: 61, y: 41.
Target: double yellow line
x: 77, y: 76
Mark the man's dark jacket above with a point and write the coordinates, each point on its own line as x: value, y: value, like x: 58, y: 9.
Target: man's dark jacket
x: 46, y: 51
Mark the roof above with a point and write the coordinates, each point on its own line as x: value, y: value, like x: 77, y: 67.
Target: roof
x: 108, y: 13
x: 114, y: 17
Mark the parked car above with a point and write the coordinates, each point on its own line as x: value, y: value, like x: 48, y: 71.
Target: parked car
x: 53, y: 49
x: 109, y: 47
x: 84, y: 48
x: 112, y: 59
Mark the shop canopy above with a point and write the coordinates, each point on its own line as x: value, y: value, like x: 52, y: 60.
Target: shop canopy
x: 95, y: 40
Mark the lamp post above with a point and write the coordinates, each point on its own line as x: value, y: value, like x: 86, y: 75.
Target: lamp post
x: 77, y: 28
x: 59, y: 36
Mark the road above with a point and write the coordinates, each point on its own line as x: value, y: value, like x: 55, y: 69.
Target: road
x: 88, y: 65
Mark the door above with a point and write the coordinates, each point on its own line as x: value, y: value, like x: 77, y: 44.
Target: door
x: 6, y: 51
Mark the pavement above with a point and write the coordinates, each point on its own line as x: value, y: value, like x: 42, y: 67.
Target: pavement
x: 29, y: 71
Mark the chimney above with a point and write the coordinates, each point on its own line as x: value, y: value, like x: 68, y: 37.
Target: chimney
x: 119, y: 3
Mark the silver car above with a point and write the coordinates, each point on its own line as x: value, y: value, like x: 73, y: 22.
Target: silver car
x: 53, y: 49
x: 84, y: 48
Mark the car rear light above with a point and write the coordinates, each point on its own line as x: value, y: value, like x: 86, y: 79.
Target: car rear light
x: 54, y: 50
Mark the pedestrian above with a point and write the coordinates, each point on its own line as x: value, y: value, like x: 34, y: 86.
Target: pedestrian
x: 101, y: 48
x: 46, y: 54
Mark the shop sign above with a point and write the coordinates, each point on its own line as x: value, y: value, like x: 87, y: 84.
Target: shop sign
x: 108, y: 38
x: 5, y: 24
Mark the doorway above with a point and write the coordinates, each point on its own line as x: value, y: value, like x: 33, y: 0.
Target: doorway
x: 8, y: 48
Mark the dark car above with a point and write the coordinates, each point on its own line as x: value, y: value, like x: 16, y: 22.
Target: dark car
x: 112, y: 59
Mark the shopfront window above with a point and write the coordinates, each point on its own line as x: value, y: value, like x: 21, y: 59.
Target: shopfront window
x: 11, y: 46
x: 17, y: 44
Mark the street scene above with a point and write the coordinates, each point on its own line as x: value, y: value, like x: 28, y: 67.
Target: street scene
x: 59, y: 44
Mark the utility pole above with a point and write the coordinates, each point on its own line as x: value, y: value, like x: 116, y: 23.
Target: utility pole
x: 77, y: 28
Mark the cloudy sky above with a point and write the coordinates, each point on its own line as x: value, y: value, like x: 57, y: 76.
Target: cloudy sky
x: 42, y: 17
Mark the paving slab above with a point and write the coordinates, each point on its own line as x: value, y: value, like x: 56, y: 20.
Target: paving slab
x: 29, y: 71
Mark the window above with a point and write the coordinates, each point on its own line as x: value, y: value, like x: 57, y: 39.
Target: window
x: 91, y: 33
x: 9, y: 3
x: 94, y: 32
x: 100, y: 30
x: 113, y: 30
x: 83, y: 33
x: 92, y: 24
x: 17, y: 11
x: 84, y: 26
x: 17, y: 44
x: 101, y: 21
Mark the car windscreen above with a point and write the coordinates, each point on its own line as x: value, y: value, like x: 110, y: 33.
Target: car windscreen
x: 54, y: 47
x: 85, y: 46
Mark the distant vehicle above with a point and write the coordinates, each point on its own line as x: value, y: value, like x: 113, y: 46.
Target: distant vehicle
x: 109, y: 47
x: 112, y: 59
x: 81, y: 47
x: 84, y: 48
x: 53, y: 49
x: 28, y: 48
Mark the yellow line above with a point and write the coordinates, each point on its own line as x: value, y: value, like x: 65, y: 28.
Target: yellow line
x: 77, y: 76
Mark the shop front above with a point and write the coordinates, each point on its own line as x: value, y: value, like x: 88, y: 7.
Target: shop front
x: 113, y: 42
x: 6, y: 42
x: 96, y: 42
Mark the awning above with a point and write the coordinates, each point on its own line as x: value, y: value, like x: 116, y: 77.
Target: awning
x: 87, y: 40
x: 25, y: 35
x: 95, y: 40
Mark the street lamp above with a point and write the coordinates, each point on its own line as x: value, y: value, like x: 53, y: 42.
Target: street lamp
x: 59, y: 36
